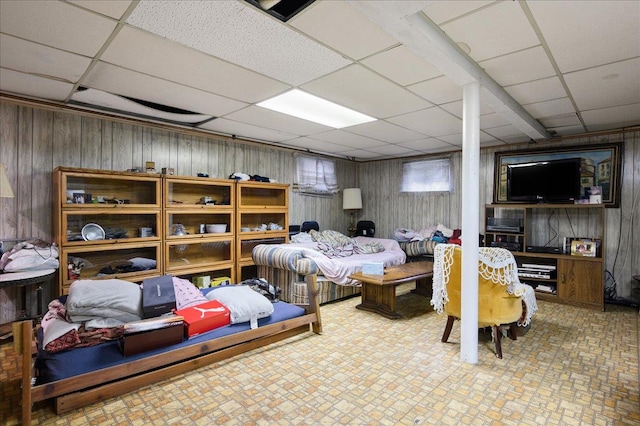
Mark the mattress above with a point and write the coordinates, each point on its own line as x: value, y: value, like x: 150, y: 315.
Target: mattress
x: 61, y: 365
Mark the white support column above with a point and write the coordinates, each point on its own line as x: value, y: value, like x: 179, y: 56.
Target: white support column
x: 470, y: 221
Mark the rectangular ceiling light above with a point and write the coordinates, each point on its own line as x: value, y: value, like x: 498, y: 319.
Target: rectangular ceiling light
x: 309, y: 107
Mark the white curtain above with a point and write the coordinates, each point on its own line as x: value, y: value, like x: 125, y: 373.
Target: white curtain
x: 316, y: 176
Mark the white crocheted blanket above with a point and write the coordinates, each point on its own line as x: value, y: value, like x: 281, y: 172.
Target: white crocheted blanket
x: 495, y: 264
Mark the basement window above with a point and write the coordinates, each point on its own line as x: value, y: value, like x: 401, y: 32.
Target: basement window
x: 427, y: 176
x: 315, y: 176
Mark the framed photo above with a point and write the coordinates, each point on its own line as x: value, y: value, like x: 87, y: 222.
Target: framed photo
x: 583, y: 248
x: 601, y: 166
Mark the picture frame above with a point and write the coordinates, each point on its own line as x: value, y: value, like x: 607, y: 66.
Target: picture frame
x: 585, y: 248
x: 601, y: 167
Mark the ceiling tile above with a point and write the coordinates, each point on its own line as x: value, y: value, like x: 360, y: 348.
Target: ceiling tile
x: 431, y: 122
x: 360, y: 89
x: 402, y: 66
x: 426, y: 144
x: 341, y: 27
x: 245, y: 131
x: 112, y: 8
x: 560, y: 120
x: 607, y: 85
x: 153, y: 55
x: 611, y: 118
x: 496, y: 30
x: 124, y: 82
x: 316, y: 145
x: 277, y: 121
x: 33, y: 58
x: 392, y: 150
x: 442, y: 11
x: 439, y: 90
x: 519, y: 67
x: 56, y: 24
x: 537, y: 91
x: 98, y: 100
x: 33, y: 86
x: 550, y: 108
x: 237, y: 32
x: 504, y: 131
x: 583, y: 34
x: 384, y: 131
x: 347, y: 139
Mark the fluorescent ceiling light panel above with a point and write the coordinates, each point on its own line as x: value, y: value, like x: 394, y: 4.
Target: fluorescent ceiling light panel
x: 309, y: 107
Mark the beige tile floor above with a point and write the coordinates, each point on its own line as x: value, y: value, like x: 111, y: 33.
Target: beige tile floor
x: 574, y: 366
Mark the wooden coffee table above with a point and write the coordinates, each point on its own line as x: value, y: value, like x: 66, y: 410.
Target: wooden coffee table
x: 379, y: 291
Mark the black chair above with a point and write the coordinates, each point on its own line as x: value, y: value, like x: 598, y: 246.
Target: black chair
x: 309, y: 225
x: 365, y: 228
x: 293, y: 230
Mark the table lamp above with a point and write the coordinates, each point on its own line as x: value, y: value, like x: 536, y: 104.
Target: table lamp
x: 351, y: 200
x: 5, y: 187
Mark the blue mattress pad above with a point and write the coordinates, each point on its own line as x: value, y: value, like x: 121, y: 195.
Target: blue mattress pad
x: 64, y: 364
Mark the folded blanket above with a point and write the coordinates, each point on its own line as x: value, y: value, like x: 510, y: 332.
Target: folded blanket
x: 99, y: 299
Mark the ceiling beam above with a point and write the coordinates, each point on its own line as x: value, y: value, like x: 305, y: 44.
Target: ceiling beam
x: 410, y: 26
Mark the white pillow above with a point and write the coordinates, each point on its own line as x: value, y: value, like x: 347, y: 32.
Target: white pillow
x: 244, y: 304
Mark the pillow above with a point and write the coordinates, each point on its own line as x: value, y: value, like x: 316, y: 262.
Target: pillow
x: 187, y: 294
x: 142, y: 263
x: 244, y: 304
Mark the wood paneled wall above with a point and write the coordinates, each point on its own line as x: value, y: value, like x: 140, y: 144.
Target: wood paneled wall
x: 33, y: 141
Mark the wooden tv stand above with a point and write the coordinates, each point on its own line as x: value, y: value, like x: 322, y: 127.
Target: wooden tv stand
x: 576, y: 279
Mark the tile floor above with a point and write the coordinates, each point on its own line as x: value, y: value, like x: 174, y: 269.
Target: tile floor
x: 574, y: 366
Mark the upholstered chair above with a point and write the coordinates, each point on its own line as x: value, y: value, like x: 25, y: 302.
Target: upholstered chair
x: 502, y: 299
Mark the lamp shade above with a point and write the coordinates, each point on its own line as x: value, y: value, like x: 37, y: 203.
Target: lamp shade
x: 5, y: 187
x: 351, y: 199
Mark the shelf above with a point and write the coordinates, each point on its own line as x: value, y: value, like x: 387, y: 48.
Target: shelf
x: 111, y: 261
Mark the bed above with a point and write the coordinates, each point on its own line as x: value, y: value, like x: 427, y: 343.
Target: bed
x: 74, y: 379
x: 287, y: 264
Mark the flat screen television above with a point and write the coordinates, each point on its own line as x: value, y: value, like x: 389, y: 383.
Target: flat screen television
x: 553, y: 181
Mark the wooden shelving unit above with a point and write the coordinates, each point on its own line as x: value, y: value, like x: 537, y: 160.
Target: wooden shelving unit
x: 143, y: 210
x: 192, y: 203
x: 575, y: 280
x: 121, y: 204
x: 259, y: 204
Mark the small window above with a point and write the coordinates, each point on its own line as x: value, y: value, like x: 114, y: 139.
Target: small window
x: 315, y: 176
x: 426, y: 176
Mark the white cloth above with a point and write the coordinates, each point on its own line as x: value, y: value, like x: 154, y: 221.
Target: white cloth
x: 494, y: 264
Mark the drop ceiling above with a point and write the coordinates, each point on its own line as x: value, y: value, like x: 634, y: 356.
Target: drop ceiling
x: 569, y: 66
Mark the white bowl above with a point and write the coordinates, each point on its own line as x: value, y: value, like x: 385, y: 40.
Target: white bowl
x: 245, y: 229
x: 216, y: 228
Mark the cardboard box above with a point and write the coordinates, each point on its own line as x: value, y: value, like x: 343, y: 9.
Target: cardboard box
x: 220, y: 281
x: 202, y: 281
x: 170, y: 334
x: 204, y: 317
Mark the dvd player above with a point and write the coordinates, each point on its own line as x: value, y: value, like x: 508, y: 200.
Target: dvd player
x: 543, y: 249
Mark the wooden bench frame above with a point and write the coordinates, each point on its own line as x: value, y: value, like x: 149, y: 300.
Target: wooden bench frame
x: 78, y: 391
